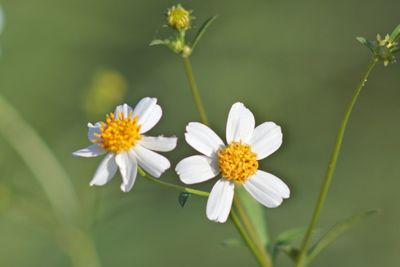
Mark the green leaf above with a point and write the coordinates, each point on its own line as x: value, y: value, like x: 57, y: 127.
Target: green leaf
x: 290, y: 235
x: 367, y: 43
x: 283, y: 241
x: 289, y: 251
x: 183, y: 198
x: 362, y: 40
x: 202, y: 30
x: 396, y: 33
x: 335, y: 232
x: 159, y: 42
x: 256, y: 213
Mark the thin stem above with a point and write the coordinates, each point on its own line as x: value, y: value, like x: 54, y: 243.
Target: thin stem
x: 174, y: 186
x: 302, y: 258
x: 248, y: 225
x: 246, y: 230
x: 246, y: 238
x: 195, y: 90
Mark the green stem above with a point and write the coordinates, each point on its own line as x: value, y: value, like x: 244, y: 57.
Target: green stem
x: 302, y: 258
x: 195, y: 90
x: 247, y: 239
x: 248, y: 225
x: 54, y: 181
x: 41, y: 161
x: 246, y: 230
x: 173, y: 186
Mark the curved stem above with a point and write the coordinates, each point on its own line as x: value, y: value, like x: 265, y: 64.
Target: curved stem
x: 302, y: 258
x: 174, y: 186
x: 247, y: 239
x: 54, y: 180
x: 248, y: 225
x: 195, y: 90
x: 41, y: 161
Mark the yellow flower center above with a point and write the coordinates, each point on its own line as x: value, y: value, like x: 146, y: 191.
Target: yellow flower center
x: 178, y: 18
x: 237, y: 162
x: 119, y: 133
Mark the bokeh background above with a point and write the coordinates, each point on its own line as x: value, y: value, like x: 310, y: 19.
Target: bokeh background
x: 67, y: 62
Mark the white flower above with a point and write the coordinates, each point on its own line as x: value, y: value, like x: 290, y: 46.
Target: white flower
x: 237, y: 162
x: 121, y: 139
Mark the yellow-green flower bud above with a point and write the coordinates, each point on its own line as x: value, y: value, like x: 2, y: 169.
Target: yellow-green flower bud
x: 178, y: 18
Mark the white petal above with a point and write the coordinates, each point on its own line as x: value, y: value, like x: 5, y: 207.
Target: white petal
x: 153, y: 163
x: 128, y: 168
x: 240, y: 125
x: 125, y: 109
x: 106, y: 170
x: 93, y: 150
x: 149, y: 113
x: 159, y: 143
x: 266, y: 139
x: 220, y: 201
x: 196, y: 169
x: 267, y: 189
x: 203, y: 139
x: 94, y: 129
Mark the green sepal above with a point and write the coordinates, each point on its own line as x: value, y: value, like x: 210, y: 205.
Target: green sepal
x: 183, y: 198
x: 202, y: 30
x: 337, y: 230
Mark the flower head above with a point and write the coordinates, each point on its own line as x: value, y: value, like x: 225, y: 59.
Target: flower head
x: 237, y: 162
x: 178, y: 18
x: 121, y: 138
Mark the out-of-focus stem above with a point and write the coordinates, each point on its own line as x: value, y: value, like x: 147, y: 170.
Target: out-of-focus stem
x: 55, y: 183
x: 40, y: 160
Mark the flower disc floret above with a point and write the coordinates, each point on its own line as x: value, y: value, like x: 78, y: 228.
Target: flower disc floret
x: 237, y: 162
x: 178, y: 18
x: 118, y: 133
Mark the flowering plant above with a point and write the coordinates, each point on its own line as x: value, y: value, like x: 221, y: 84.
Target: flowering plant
x: 242, y: 190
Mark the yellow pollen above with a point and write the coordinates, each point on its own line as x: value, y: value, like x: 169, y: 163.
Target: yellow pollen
x: 118, y: 134
x: 237, y: 162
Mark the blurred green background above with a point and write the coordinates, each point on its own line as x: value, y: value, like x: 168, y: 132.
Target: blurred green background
x: 292, y: 62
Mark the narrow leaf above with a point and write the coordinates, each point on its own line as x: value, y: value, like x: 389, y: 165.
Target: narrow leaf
x: 335, y: 232
x: 282, y: 243
x: 256, y: 212
x: 396, y: 33
x: 183, y: 197
x: 367, y: 43
x: 289, y: 251
x: 362, y: 40
x: 159, y: 42
x: 290, y: 235
x: 202, y: 30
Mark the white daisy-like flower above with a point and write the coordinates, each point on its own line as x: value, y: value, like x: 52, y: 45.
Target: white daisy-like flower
x: 237, y: 162
x: 121, y: 138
